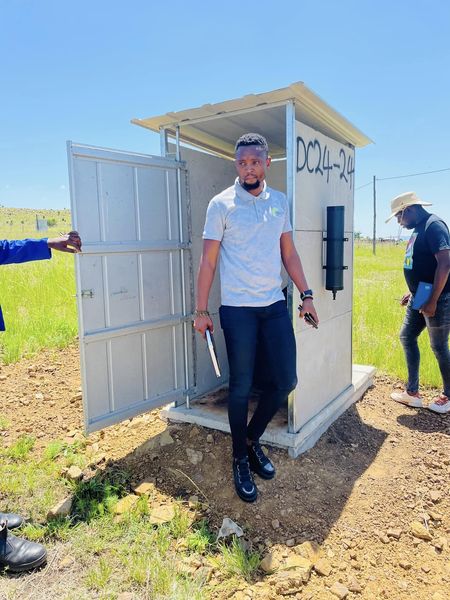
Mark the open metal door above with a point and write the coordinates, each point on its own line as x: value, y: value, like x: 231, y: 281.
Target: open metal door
x: 134, y: 281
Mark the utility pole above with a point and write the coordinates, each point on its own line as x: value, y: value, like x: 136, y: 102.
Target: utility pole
x: 374, y: 243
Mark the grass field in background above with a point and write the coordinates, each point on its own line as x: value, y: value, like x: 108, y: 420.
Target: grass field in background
x: 377, y: 315
x: 37, y: 298
x: 39, y: 306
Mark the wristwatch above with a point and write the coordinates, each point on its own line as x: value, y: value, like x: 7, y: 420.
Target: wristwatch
x: 306, y: 294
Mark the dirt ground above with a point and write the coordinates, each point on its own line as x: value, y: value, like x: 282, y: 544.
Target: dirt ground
x: 379, y: 468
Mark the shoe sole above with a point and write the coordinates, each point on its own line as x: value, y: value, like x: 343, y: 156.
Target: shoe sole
x: 247, y: 498
x: 412, y: 404
x: 439, y: 412
x: 25, y: 567
x: 263, y: 475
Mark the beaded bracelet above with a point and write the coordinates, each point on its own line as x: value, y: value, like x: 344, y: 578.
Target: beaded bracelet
x: 201, y: 313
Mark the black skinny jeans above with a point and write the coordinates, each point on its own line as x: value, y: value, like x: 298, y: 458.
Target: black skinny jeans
x: 245, y: 327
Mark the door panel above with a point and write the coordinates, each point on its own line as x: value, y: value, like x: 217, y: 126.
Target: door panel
x: 134, y: 316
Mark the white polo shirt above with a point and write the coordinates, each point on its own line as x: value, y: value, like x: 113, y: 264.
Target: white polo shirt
x: 249, y: 229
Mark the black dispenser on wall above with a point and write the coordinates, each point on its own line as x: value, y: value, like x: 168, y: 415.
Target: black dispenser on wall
x: 335, y: 249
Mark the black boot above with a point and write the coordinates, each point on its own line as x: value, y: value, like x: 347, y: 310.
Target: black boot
x: 17, y: 554
x: 259, y: 462
x: 243, y: 480
x: 11, y: 519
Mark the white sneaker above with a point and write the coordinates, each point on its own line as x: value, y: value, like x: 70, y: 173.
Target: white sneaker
x: 440, y: 404
x: 413, y: 400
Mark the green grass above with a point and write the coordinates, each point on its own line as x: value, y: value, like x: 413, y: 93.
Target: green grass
x: 115, y: 555
x: 5, y: 424
x: 236, y: 560
x: 200, y: 539
x: 97, y: 496
x: 21, y: 449
x: 377, y: 314
x: 29, y: 485
x: 99, y: 576
x: 37, y: 298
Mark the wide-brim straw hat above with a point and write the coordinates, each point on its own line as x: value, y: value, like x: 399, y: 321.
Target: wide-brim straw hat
x: 404, y: 200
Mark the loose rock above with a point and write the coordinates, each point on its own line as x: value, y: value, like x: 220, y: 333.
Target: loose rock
x: 395, y: 533
x: 323, y: 567
x: 419, y: 531
x: 354, y: 586
x: 74, y: 473
x: 194, y: 456
x: 125, y: 504
x: 146, y: 487
x: 287, y: 584
x: 309, y: 550
x: 162, y: 514
x: 302, y: 566
x: 269, y: 563
x: 435, y: 496
x: 62, y: 509
x: 339, y: 590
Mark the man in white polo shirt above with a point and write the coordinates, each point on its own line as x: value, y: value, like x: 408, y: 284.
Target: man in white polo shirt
x: 248, y: 226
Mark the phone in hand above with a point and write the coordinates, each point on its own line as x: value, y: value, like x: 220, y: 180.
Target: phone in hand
x: 309, y: 318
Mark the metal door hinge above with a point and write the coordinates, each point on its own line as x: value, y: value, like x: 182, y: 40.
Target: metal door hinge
x: 87, y: 293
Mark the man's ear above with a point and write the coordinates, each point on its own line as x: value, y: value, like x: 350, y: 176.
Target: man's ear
x: 268, y: 161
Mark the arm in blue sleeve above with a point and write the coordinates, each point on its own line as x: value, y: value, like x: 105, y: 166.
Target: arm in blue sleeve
x: 19, y: 251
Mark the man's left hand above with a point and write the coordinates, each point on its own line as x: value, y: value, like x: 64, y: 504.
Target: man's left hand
x: 428, y: 309
x: 308, y: 307
x: 70, y: 242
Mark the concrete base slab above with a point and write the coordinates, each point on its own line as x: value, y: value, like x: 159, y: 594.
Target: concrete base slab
x: 210, y: 411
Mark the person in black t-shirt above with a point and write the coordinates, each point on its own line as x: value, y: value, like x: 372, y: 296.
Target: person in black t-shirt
x: 427, y: 259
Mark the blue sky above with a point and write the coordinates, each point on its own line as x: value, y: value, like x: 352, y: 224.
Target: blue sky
x: 81, y: 70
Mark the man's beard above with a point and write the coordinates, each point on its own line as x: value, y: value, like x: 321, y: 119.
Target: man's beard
x: 251, y: 186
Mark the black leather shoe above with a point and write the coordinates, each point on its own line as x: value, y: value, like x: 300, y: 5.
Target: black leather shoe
x: 259, y: 462
x: 17, y: 554
x: 243, y: 480
x: 12, y: 519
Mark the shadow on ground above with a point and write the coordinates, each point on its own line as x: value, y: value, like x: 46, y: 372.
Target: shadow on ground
x: 425, y: 421
x: 306, y: 497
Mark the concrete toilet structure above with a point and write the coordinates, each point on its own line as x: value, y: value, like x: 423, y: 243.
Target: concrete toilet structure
x: 142, y: 220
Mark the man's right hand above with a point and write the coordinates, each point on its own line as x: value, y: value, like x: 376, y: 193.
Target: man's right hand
x: 68, y: 242
x: 405, y: 299
x: 201, y: 324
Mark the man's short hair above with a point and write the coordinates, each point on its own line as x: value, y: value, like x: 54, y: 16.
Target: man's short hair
x: 252, y: 139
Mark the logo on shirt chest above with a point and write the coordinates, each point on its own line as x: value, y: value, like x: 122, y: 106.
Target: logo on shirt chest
x: 274, y: 211
x: 408, y: 263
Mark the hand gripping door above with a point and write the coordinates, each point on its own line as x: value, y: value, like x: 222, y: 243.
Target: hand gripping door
x: 133, y: 281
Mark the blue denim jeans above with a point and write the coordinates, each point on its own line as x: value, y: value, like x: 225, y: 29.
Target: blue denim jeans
x: 245, y: 327
x: 438, y: 329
